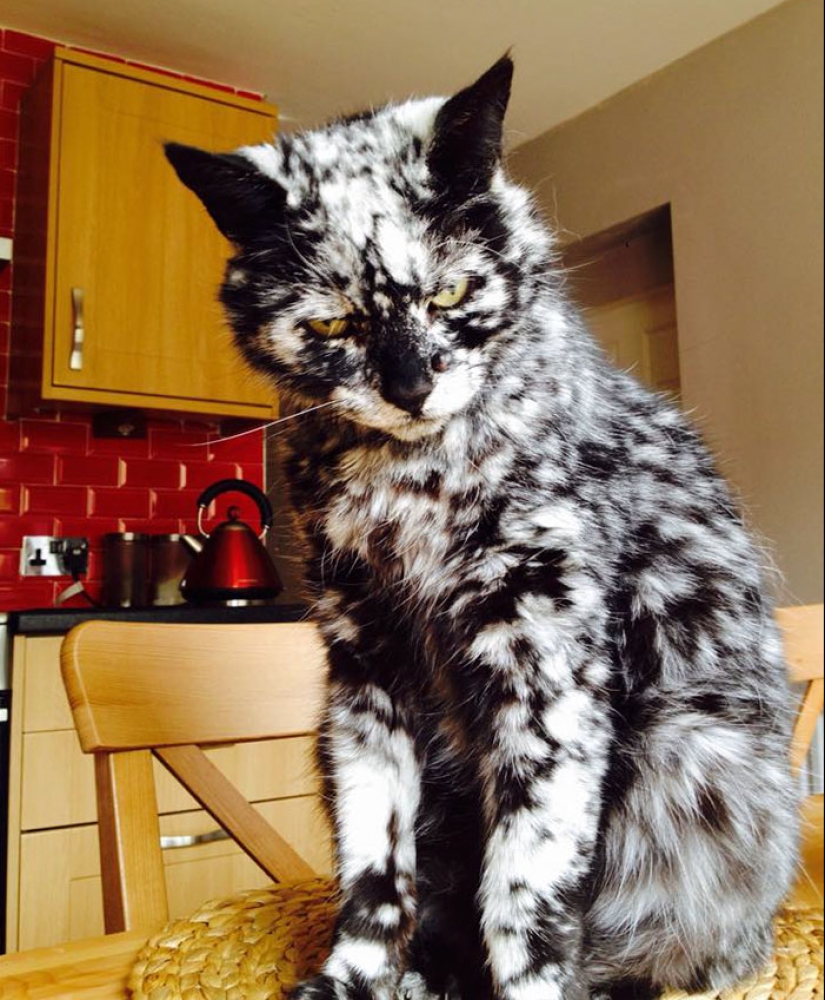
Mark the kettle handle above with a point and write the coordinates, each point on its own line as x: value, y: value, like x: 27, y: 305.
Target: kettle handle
x: 237, y: 486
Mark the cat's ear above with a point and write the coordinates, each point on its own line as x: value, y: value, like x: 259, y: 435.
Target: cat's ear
x: 466, y: 144
x: 242, y: 201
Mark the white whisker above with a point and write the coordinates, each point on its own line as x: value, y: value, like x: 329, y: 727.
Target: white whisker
x: 263, y: 427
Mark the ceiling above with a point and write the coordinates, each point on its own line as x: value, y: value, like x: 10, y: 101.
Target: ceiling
x: 318, y: 58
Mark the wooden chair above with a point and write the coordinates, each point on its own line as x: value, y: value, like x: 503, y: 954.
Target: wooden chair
x: 139, y: 689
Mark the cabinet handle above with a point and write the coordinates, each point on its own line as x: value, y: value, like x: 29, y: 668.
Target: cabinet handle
x: 192, y: 839
x: 78, y: 331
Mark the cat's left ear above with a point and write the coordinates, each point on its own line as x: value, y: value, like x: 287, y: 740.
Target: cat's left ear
x: 243, y: 202
x: 467, y: 135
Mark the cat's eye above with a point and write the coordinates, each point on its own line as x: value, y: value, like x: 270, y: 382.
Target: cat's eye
x: 331, y: 327
x: 451, y: 295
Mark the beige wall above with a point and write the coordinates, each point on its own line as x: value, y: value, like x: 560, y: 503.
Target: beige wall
x: 731, y: 137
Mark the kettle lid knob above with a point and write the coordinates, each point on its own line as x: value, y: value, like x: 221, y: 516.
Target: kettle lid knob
x: 238, y: 486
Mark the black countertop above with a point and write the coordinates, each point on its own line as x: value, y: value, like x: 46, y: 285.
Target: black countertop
x: 56, y: 621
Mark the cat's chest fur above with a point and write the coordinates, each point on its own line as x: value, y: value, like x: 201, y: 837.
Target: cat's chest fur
x: 411, y: 515
x: 433, y: 525
x: 401, y: 515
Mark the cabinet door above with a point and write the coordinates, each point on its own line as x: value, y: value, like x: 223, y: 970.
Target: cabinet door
x: 58, y: 781
x: 61, y: 896
x: 136, y: 254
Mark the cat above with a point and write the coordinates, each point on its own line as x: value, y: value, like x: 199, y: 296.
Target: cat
x: 555, y: 742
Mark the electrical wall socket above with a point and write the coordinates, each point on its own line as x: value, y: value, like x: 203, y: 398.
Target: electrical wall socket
x: 47, y: 555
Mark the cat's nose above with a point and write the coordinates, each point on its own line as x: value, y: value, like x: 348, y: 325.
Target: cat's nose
x: 408, y: 394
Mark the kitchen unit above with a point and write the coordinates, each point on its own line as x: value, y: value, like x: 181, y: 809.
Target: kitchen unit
x: 54, y: 891
x: 116, y: 264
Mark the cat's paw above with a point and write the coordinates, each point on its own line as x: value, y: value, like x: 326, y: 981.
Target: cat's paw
x: 413, y: 987
x: 320, y: 988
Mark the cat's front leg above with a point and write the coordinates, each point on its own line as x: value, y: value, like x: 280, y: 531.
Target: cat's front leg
x: 540, y: 711
x: 372, y: 783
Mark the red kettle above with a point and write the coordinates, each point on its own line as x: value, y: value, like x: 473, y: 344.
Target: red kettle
x: 231, y: 565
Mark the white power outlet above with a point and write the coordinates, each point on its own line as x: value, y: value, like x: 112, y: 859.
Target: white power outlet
x: 47, y: 555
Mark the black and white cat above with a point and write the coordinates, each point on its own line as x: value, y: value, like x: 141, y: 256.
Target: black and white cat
x: 555, y: 741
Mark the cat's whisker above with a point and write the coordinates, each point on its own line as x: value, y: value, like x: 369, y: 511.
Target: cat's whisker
x: 301, y: 413
x: 222, y: 439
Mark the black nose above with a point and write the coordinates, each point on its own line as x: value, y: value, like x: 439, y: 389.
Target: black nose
x: 408, y: 394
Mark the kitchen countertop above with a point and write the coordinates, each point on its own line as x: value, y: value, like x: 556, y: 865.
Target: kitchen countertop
x: 56, y: 621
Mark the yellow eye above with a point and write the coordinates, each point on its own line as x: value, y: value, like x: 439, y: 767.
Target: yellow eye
x: 451, y: 295
x: 331, y: 327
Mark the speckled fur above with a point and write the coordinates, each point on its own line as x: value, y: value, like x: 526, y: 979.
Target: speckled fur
x: 555, y: 740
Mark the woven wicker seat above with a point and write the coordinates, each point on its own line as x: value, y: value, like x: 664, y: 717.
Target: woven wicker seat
x: 254, y: 946
x: 257, y: 945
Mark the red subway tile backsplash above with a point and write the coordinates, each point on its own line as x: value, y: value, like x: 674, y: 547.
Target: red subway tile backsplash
x: 6, y: 216
x: 203, y: 474
x: 9, y: 565
x: 8, y: 124
x: 84, y: 470
x: 9, y: 437
x: 56, y: 477
x: 165, y: 442
x: 120, y: 503
x: 54, y: 436
x: 19, y: 68
x: 57, y: 500
x: 80, y: 527
x: 8, y: 154
x: 125, y: 448
x: 27, y: 592
x: 10, y: 95
x: 27, y: 45
x: 247, y: 447
x: 12, y: 529
x: 153, y: 472
x: 179, y: 504
x: 10, y: 500
x: 23, y: 468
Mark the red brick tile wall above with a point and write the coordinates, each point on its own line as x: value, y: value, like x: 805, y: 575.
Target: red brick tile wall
x: 56, y: 477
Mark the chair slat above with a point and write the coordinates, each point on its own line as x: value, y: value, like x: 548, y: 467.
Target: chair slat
x: 224, y: 802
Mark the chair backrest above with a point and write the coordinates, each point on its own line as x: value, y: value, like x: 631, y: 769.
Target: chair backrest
x: 138, y: 689
x: 802, y: 629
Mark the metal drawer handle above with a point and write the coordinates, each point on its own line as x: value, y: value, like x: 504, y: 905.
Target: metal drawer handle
x: 192, y: 839
x: 78, y: 331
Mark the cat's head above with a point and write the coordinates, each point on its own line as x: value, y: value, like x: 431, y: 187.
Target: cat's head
x: 379, y: 260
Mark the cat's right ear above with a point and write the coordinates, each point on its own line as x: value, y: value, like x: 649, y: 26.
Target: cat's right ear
x: 242, y: 201
x: 467, y: 134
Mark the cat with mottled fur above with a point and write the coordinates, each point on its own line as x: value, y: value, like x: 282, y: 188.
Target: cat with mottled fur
x: 556, y: 729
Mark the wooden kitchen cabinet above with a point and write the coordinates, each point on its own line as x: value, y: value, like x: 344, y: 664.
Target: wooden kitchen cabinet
x: 54, y: 866
x: 117, y: 265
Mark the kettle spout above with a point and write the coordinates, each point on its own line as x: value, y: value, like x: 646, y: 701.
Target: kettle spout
x: 193, y: 543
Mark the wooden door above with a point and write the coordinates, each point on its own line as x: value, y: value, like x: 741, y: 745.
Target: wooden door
x: 136, y: 252
x: 639, y: 334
